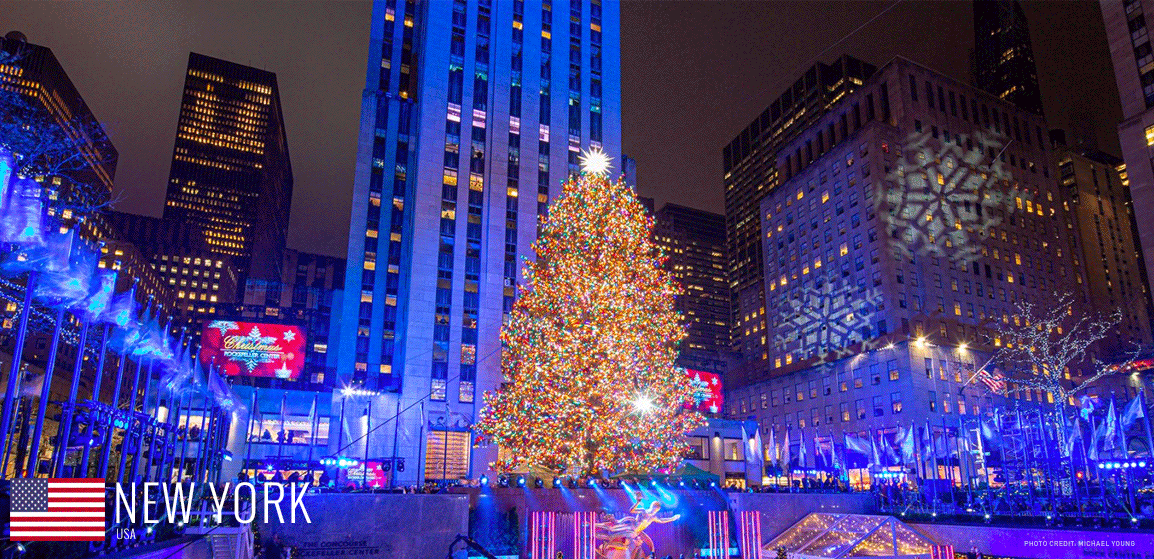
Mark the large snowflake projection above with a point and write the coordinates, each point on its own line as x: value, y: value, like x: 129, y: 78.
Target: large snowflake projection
x: 941, y: 198
x: 824, y: 322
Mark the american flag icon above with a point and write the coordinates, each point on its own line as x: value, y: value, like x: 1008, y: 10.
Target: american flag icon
x: 57, y: 509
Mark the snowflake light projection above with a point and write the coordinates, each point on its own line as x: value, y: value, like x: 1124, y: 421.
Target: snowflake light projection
x: 824, y: 322
x: 941, y: 197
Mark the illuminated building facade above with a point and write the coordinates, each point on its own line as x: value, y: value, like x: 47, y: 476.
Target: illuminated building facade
x: 1095, y: 187
x: 751, y: 173
x: 33, y: 72
x: 203, y: 284
x: 925, y: 211
x: 37, y: 92
x: 694, y: 242
x: 230, y: 171
x: 474, y: 112
x: 1003, y: 54
x: 303, y: 294
x: 1130, y: 49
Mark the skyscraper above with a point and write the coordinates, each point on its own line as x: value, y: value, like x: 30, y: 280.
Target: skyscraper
x: 1003, y: 55
x: 230, y: 171
x: 751, y: 174
x: 473, y: 113
x: 1099, y: 201
x: 1130, y: 49
x: 896, y: 257
x: 694, y: 243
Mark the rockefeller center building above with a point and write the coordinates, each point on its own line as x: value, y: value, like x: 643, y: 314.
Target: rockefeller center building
x: 908, y: 223
x: 473, y: 114
x: 751, y: 172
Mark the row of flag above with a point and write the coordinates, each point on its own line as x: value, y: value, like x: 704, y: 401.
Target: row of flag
x: 64, y: 276
x: 1087, y: 436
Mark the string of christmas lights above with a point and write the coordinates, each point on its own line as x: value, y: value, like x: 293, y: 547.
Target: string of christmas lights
x: 590, y: 345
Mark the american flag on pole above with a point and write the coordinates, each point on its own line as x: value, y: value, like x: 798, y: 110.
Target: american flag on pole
x: 995, y: 381
x: 68, y: 509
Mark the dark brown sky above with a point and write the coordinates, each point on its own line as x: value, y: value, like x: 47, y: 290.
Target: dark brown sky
x: 695, y: 73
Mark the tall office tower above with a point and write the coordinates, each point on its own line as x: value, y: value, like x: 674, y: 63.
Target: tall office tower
x: 230, y: 171
x: 751, y: 174
x: 694, y: 242
x: 896, y: 252
x: 1133, y: 57
x: 1003, y: 55
x: 1095, y: 186
x: 474, y: 112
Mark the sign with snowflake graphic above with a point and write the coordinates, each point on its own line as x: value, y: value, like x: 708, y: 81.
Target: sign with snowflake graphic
x: 254, y: 349
x: 707, y: 395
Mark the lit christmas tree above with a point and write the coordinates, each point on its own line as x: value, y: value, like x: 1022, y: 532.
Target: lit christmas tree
x: 590, y: 345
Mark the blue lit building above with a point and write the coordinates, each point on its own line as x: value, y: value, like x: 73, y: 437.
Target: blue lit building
x: 473, y: 114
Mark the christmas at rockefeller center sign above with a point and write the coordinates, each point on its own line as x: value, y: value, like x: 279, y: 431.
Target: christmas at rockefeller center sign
x: 254, y: 349
x: 706, y: 391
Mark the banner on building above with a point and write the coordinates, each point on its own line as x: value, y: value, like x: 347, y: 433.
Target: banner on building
x: 254, y: 349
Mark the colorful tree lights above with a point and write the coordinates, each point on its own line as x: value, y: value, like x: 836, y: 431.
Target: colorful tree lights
x: 593, y: 333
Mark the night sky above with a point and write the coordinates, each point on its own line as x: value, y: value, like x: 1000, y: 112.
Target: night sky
x: 695, y: 74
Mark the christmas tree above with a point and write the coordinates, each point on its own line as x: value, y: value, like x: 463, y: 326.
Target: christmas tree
x: 590, y: 344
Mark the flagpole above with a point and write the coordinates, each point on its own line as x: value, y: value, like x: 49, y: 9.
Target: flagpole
x: 148, y: 422
x: 1068, y: 450
x: 985, y: 462
x: 949, y: 466
x: 144, y: 419
x: 312, y: 435
x: 130, y: 421
x: 1146, y: 422
x: 95, y: 396
x: 210, y: 453
x: 184, y: 440
x: 934, y: 461
x: 959, y: 453
x: 64, y: 430
x: 115, y: 406
x: 164, y: 472
x: 253, y: 411
x: 1049, y: 461
x: 200, y: 443
x: 45, y: 394
x: 396, y: 434
x: 369, y: 429
x: 14, y: 368
x: 1121, y: 433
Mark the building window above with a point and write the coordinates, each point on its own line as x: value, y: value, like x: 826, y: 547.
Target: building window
x: 732, y: 449
x: 698, y: 448
x: 447, y: 455
x: 896, y: 402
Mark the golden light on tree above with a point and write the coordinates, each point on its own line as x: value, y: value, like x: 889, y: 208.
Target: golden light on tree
x: 590, y: 345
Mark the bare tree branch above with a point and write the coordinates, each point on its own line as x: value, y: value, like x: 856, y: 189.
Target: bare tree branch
x: 1046, y: 347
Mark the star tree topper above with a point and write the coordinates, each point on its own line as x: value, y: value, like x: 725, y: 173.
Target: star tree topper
x: 595, y: 161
